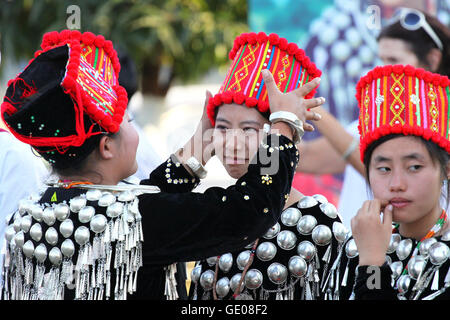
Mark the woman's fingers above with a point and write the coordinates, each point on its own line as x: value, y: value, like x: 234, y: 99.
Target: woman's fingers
x: 314, y: 102
x: 271, y: 87
x: 307, y: 88
x: 312, y: 115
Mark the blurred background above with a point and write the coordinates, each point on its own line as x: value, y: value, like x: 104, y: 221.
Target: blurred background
x: 178, y: 49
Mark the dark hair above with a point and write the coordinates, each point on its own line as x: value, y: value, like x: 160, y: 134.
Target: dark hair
x: 421, y: 43
x: 437, y: 154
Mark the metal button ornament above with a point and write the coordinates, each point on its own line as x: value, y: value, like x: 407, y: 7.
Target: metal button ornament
x: 40, y: 253
x: 223, y: 287
x: 404, y: 249
x: 98, y: 223
x: 425, y: 246
x: 320, y: 198
x: 415, y: 266
x: 51, y: 236
x: 396, y: 268
x: 403, y: 283
x: 114, y: 210
x: 286, y: 240
x: 66, y: 228
x: 195, y: 273
x: 290, y: 216
x: 36, y: 212
x: 207, y: 280
x: 16, y: 223
x: 68, y: 248
x: 297, y: 266
x: 106, y: 199
x: 36, y: 232
x: 393, y: 243
x: 439, y: 253
x: 82, y: 235
x: 277, y: 273
x: 306, y: 224
x: 62, y: 211
x: 10, y: 233
x: 307, y: 202
x: 212, y: 261
x: 28, y: 249
x: 234, y: 282
x: 329, y: 209
x: 273, y: 231
x: 243, y: 259
x: 321, y: 235
x: 19, y: 239
x: 93, y: 195
x: 226, y: 262
x: 85, y: 215
x: 77, y: 203
x: 253, y: 279
x: 351, y: 250
x: 25, y: 223
x: 49, y: 216
x: 266, y: 251
x: 340, y: 231
x: 306, y: 250
x: 55, y: 256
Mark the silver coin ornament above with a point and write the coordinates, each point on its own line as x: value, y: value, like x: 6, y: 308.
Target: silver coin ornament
x: 393, y: 243
x: 290, y: 216
x: 273, y: 231
x: 55, y: 256
x: 85, y: 215
x: 114, y: 210
x: 286, y: 240
x: 98, y: 223
x: 403, y: 283
x: 297, y: 266
x: 51, y: 236
x: 36, y: 232
x: 446, y: 235
x: 320, y: 198
x: 425, y: 246
x: 351, y: 250
x: 266, y: 251
x: 439, y: 253
x: 28, y: 249
x: 306, y: 224
x: 306, y: 250
x: 26, y: 222
x: 340, y: 232
x: 222, y: 287
x: 126, y: 196
x: 321, y: 235
x: 212, y: 260
x: 40, y: 253
x: 36, y: 212
x: 396, y: 268
x: 416, y: 265
x: 106, y: 199
x: 243, y: 259
x: 10, y: 233
x: 277, y: 273
x: 49, y: 216
x: 62, y: 211
x: 253, y: 279
x: 307, y: 202
x: 66, y: 228
x: 329, y: 209
x: 93, y: 194
x: 234, y: 282
x: 77, y: 203
x: 207, y: 280
x: 68, y: 248
x: 195, y: 273
x: 404, y: 248
x: 82, y: 235
x: 226, y: 262
x: 19, y: 239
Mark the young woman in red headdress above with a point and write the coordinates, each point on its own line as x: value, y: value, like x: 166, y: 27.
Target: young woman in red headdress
x: 85, y: 237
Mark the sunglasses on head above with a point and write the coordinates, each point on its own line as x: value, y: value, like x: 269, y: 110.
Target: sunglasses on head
x: 412, y: 20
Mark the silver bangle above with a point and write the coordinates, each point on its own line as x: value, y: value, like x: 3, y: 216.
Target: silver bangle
x: 290, y: 119
x: 350, y: 148
x: 196, y: 167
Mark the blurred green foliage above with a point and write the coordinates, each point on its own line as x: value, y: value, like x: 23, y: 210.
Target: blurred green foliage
x: 184, y: 38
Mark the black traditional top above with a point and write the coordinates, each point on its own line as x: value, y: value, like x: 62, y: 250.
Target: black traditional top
x: 288, y: 262
x: 424, y: 276
x: 128, y: 254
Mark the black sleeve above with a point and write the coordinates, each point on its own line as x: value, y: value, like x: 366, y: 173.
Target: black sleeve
x: 374, y: 283
x: 190, y: 226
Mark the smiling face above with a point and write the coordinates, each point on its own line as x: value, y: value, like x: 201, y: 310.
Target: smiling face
x: 237, y: 134
x: 402, y: 172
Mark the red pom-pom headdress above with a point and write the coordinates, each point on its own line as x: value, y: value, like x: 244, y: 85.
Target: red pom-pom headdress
x: 403, y: 100
x: 251, y: 53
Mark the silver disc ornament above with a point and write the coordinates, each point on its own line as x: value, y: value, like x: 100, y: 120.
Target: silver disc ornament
x: 62, y: 211
x: 226, y: 262
x: 297, y: 266
x: 207, y: 280
x: 307, y: 202
x: 286, y: 240
x: 277, y: 273
x: 290, y: 216
x: 404, y: 248
x: 321, y: 235
x: 222, y: 287
x: 68, y: 248
x: 306, y: 250
x: 272, y: 232
x: 243, y: 259
x: 266, y: 251
x: 306, y: 224
x: 98, y: 223
x: 66, y: 228
x: 253, y: 279
x: 234, y: 282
